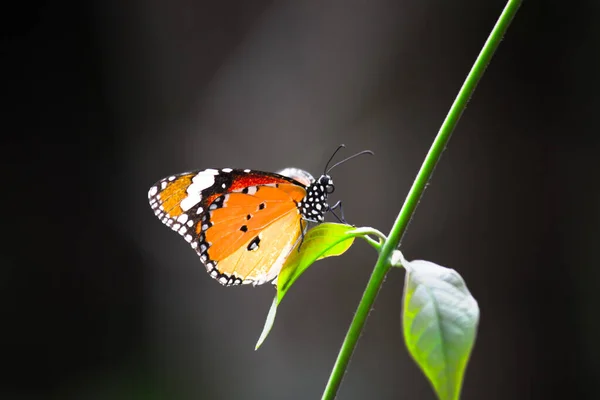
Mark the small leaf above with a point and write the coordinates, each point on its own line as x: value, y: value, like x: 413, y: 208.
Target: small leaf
x: 268, y: 323
x: 324, y: 240
x: 440, y: 319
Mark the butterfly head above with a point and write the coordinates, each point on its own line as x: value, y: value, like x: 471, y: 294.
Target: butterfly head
x: 327, y: 183
x: 314, y: 206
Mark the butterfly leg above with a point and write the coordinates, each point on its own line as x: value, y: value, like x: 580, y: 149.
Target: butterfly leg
x: 302, y: 233
x: 303, y: 229
x: 339, y: 205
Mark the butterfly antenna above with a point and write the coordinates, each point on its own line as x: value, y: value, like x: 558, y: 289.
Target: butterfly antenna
x: 347, y: 159
x: 341, y: 146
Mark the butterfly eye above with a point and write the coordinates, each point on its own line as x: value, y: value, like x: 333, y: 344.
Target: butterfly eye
x: 329, y: 189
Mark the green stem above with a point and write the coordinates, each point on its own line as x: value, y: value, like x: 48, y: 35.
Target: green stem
x: 412, y: 200
x: 365, y: 232
x: 375, y: 244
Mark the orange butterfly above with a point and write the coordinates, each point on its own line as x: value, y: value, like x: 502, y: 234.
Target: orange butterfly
x: 243, y: 223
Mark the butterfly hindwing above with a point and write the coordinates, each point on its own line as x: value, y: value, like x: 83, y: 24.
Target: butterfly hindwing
x: 249, y: 232
x: 259, y: 260
x: 242, y: 223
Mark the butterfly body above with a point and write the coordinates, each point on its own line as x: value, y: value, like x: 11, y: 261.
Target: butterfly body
x: 242, y: 223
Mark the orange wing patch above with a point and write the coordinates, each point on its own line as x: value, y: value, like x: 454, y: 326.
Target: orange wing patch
x: 166, y: 195
x: 250, y: 235
x: 262, y: 258
x: 172, y: 195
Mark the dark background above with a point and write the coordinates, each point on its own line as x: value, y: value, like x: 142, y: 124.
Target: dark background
x: 101, y: 99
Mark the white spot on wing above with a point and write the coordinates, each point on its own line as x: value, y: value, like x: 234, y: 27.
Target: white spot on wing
x: 226, y: 170
x: 152, y: 191
x: 163, y: 185
x: 182, y: 230
x: 298, y: 174
x: 200, y: 210
x: 182, y: 219
x: 190, y: 201
x: 246, y: 170
x: 203, y: 180
x: 188, y: 238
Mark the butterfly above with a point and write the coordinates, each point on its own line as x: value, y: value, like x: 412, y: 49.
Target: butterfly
x: 244, y: 223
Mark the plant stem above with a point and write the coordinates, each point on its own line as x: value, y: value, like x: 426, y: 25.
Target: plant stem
x: 372, y: 231
x: 412, y: 200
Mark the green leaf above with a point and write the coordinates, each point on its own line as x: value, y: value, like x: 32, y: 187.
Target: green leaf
x: 268, y: 323
x: 440, y: 319
x: 325, y: 240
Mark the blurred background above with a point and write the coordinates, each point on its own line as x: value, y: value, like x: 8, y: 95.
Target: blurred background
x: 98, y: 300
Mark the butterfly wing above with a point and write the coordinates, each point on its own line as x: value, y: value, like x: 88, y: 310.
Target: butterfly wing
x: 242, y: 223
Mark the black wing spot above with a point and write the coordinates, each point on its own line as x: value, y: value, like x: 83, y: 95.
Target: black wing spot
x: 253, y: 245
x: 244, y: 228
x: 245, y: 190
x: 248, y: 216
x: 262, y: 206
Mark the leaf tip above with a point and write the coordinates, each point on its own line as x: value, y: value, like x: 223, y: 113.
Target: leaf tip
x: 268, y: 323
